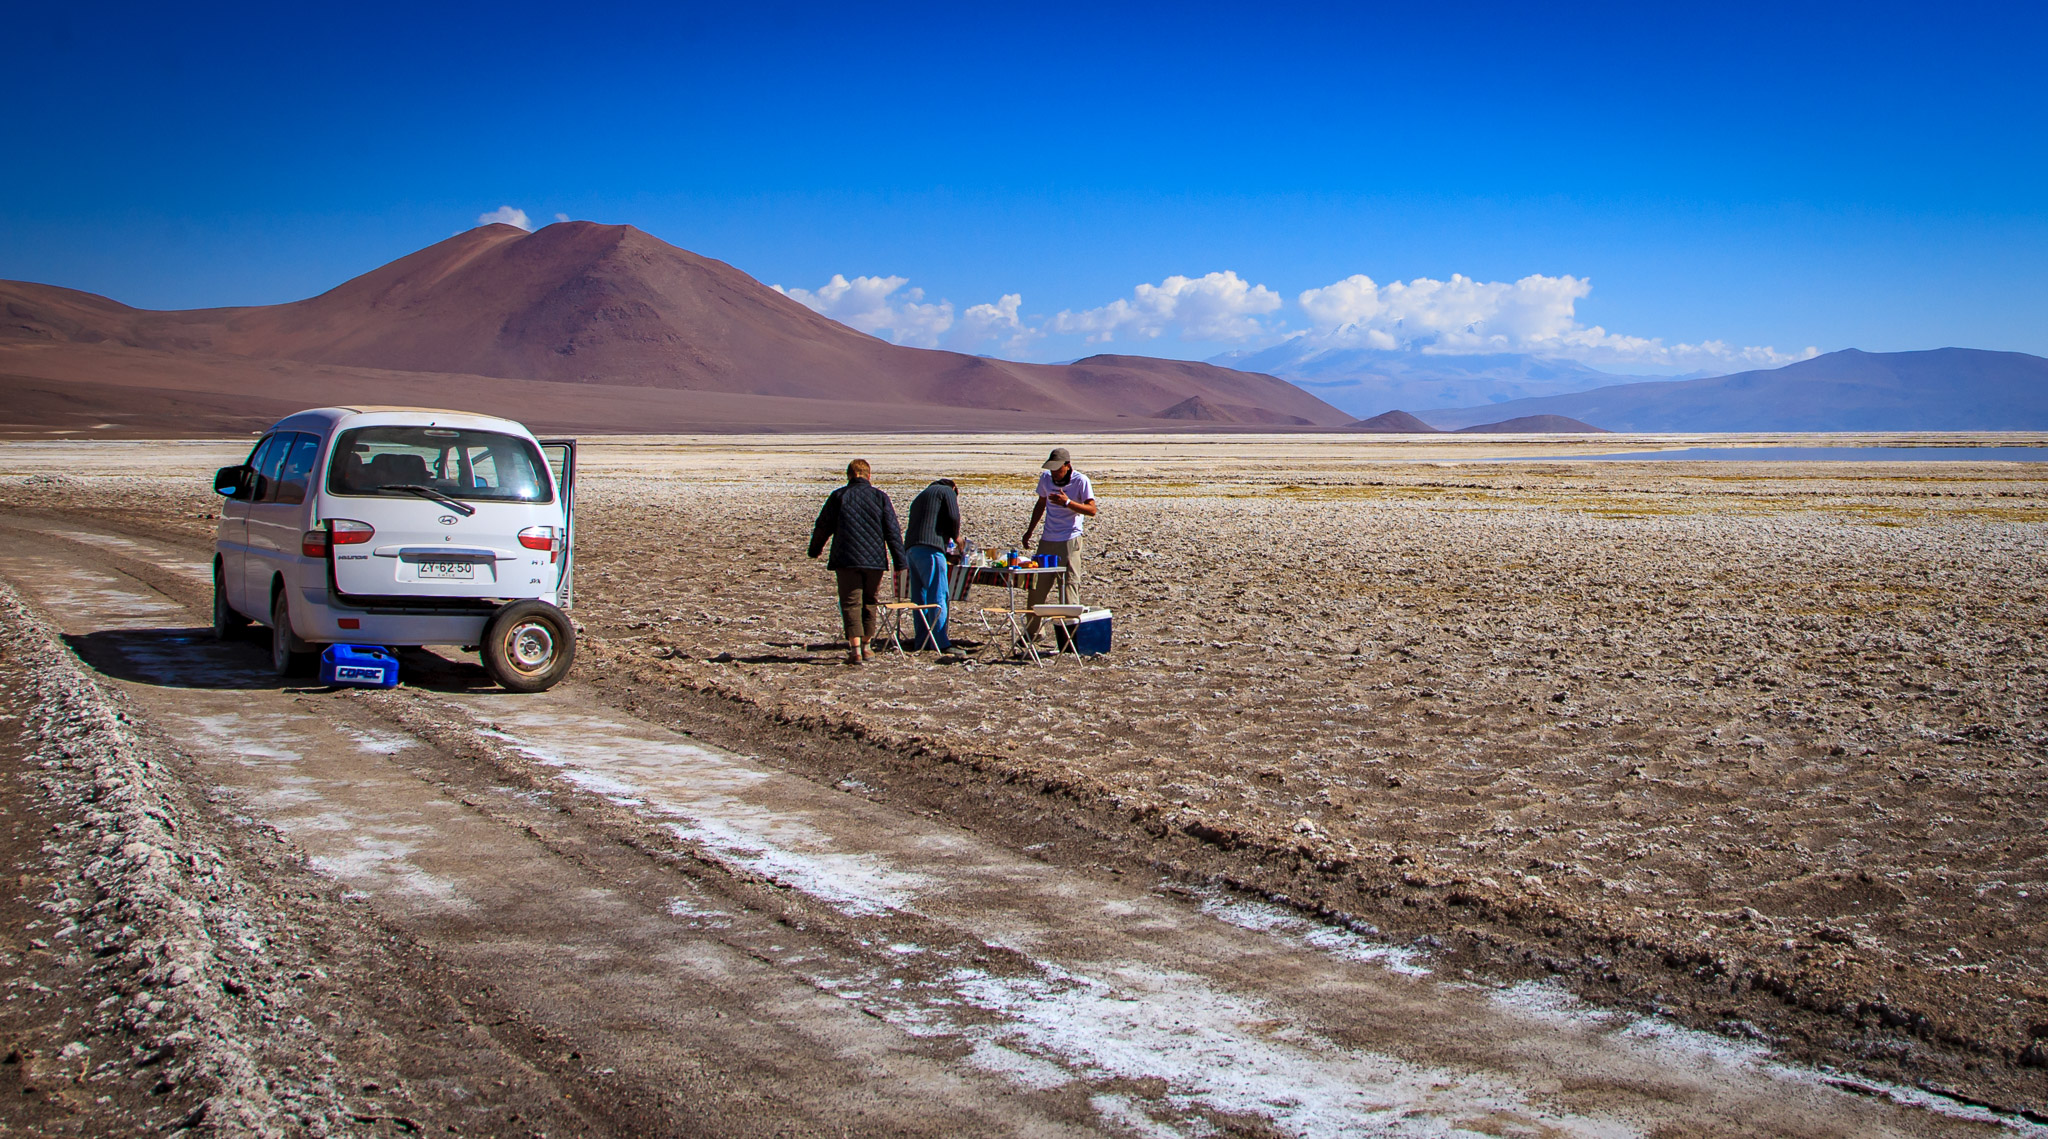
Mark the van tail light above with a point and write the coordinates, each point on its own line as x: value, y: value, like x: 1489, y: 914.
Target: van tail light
x: 339, y: 532
x: 542, y: 538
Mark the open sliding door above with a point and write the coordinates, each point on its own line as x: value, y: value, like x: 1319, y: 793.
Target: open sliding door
x: 561, y: 456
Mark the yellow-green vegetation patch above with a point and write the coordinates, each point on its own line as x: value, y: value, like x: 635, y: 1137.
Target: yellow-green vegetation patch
x: 1874, y: 512
x: 2006, y: 513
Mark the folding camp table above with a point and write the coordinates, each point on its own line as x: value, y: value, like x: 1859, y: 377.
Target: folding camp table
x: 1007, y: 577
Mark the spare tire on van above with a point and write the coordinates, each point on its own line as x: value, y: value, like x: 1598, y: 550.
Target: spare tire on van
x: 528, y: 646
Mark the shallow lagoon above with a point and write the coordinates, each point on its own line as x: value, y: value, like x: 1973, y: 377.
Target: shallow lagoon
x: 1837, y: 454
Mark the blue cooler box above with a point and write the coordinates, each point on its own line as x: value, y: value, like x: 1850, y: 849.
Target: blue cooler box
x: 1091, y: 633
x: 370, y: 665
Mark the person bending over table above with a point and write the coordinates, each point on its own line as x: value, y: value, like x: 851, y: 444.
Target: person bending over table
x: 1064, y: 499
x: 861, y: 521
x: 933, y: 524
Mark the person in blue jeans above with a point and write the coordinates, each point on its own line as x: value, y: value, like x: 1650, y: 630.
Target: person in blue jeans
x: 933, y: 526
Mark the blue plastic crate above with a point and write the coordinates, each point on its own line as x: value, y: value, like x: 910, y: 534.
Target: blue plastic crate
x: 372, y: 666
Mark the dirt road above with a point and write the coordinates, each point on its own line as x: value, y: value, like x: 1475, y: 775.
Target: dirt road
x: 449, y: 910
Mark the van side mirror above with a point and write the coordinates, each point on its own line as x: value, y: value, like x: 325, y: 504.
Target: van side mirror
x: 232, y: 482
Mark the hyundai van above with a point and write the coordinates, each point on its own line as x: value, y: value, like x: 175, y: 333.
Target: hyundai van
x: 402, y: 526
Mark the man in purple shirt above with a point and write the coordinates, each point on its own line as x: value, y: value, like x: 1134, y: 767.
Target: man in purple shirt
x: 1065, y: 499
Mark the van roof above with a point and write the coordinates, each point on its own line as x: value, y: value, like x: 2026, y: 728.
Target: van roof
x: 367, y: 408
x: 321, y: 417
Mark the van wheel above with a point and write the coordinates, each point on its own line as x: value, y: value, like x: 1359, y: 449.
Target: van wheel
x: 226, y: 622
x: 288, y: 655
x: 528, y: 646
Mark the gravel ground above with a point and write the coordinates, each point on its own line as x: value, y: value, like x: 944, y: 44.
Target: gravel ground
x: 170, y: 965
x: 146, y: 996
x: 1761, y: 746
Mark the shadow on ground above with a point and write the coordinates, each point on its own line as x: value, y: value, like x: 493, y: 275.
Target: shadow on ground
x: 192, y: 658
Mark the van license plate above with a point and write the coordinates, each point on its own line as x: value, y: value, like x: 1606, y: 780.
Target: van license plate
x: 441, y: 568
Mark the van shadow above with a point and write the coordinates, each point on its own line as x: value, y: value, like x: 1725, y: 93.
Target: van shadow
x: 175, y: 658
x: 429, y: 670
x: 192, y: 658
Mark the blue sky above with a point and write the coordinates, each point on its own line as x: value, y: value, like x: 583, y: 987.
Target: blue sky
x: 1615, y: 183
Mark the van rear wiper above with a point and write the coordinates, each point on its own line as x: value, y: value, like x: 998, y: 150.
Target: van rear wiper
x: 455, y: 504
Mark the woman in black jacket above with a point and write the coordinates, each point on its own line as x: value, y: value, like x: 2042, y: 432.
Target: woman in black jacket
x: 861, y: 521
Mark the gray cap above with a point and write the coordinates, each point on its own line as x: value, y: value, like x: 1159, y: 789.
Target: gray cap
x: 1057, y: 459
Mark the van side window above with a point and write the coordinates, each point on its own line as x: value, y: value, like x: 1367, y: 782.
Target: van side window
x: 265, y: 462
x: 298, y: 468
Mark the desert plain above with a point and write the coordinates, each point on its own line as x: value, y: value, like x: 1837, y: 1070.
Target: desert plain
x: 1757, y: 748
x: 1710, y: 735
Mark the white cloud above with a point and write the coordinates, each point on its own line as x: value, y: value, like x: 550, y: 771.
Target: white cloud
x: 561, y: 217
x: 1460, y: 314
x: 506, y: 215
x: 1217, y: 306
x: 882, y: 306
x: 998, y: 322
x: 870, y: 304
x: 1536, y: 314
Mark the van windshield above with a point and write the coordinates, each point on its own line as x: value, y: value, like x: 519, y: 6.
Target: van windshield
x: 451, y: 461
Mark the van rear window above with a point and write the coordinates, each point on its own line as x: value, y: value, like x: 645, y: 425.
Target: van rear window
x: 480, y: 465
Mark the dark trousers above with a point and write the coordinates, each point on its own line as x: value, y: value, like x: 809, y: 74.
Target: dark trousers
x: 860, y: 602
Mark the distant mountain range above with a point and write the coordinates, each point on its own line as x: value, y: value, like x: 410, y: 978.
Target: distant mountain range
x: 1947, y: 389
x: 1367, y: 381
x: 576, y: 326
x: 1944, y: 389
x: 1401, y: 423
x: 602, y: 328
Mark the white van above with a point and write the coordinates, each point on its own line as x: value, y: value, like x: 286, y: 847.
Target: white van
x: 402, y: 526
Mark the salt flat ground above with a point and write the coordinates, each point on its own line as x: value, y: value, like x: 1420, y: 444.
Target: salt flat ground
x: 1757, y: 746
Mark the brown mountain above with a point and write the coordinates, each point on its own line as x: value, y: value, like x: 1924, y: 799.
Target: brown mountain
x: 604, y: 307
x: 1391, y: 423
x: 1195, y: 409
x: 1535, y: 425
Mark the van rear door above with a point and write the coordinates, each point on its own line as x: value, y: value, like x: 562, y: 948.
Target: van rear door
x: 561, y: 457
x: 437, y: 513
